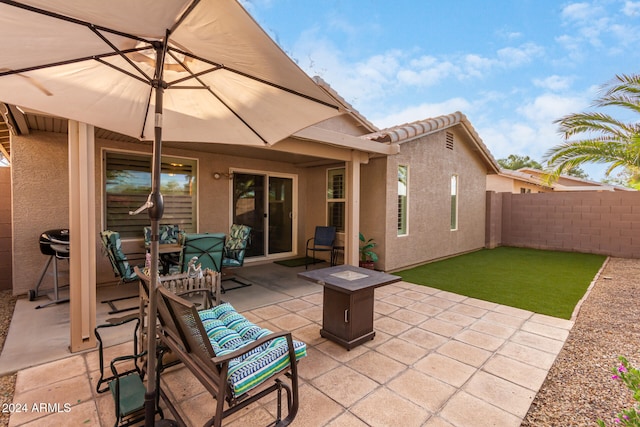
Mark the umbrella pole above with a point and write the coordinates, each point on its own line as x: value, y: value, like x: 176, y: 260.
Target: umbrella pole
x: 155, y: 215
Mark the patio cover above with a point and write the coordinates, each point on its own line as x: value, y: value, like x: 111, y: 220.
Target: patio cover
x: 227, y: 81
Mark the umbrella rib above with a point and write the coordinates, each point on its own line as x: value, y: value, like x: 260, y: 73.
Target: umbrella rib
x: 118, y: 52
x: 69, y: 19
x: 220, y: 66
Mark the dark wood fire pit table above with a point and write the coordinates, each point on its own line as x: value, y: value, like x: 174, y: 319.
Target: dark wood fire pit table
x: 347, y: 315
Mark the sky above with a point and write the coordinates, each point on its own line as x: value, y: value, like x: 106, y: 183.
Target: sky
x: 511, y: 66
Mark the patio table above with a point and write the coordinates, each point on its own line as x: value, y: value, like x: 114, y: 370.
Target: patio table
x: 347, y: 314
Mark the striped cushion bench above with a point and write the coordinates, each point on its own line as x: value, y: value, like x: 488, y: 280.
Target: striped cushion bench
x: 228, y: 331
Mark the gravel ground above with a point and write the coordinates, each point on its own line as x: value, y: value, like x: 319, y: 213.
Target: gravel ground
x: 579, y: 390
x: 8, y: 382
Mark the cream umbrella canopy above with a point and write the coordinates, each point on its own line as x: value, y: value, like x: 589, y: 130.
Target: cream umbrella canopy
x: 170, y: 70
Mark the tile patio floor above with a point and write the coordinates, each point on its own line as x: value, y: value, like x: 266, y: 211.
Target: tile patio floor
x: 438, y: 359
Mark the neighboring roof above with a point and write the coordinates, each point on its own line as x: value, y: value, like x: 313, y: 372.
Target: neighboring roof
x: 410, y: 131
x: 362, y: 120
x: 564, y: 183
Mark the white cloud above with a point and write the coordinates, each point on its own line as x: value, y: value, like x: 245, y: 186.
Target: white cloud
x: 554, y: 83
x: 631, y: 8
x: 518, y: 56
x: 423, y: 111
x: 578, y: 11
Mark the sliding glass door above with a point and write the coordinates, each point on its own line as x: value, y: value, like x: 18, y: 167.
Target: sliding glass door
x: 264, y: 202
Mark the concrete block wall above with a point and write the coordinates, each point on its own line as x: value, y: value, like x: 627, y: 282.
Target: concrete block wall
x: 605, y: 223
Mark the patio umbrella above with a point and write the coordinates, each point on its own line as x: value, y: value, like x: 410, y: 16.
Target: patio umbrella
x: 172, y: 70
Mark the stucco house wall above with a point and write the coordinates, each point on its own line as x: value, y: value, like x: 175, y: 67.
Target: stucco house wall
x: 431, y: 165
x: 41, y: 202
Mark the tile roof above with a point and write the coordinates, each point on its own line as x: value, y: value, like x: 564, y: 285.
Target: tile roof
x: 410, y: 131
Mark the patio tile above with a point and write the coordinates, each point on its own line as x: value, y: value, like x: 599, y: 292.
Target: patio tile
x: 105, y: 407
x: 269, y: 312
x: 397, y: 300
x: 468, y: 310
x: 437, y: 422
x: 422, y: 338
x: 316, y: 408
x: 290, y: 322
x: 478, y: 339
x: 546, y: 330
x: 309, y: 334
x: 402, y: 351
x: 385, y: 308
x: 379, y: 338
x: 464, y: 353
x: 501, y: 393
x: 347, y: 419
x: 82, y: 414
x: 427, y: 290
x: 388, y: 290
x: 390, y: 326
x: 512, y: 370
x: 451, y: 296
x: 426, y: 309
x: 181, y: 383
x: 446, y: 369
x: 385, y: 408
x: 408, y: 316
x: 537, y: 341
x: 49, y: 373
x: 71, y: 391
x: 532, y: 356
x: 315, y: 364
x: 552, y: 321
x: 413, y: 295
x: 315, y: 298
x: 199, y: 409
x: 513, y: 311
x: 313, y: 313
x: 465, y: 410
x: 455, y: 318
x: 494, y: 329
x: 254, y: 415
x: 345, y: 385
x: 377, y: 366
x: 440, y: 327
x: 340, y: 353
x: 487, y: 305
x: 503, y: 319
x: 439, y: 302
x: 296, y: 305
x: 422, y: 389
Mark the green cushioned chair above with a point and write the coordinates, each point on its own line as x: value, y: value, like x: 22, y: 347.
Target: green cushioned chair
x: 234, y: 249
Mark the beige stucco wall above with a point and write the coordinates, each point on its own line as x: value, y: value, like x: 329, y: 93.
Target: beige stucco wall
x: 5, y: 229
x: 431, y: 166
x: 41, y: 202
x: 503, y: 184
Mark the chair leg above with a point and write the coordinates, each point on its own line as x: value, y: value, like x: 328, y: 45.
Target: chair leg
x: 233, y: 279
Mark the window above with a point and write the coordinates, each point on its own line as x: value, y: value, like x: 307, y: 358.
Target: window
x: 454, y: 202
x: 403, y: 194
x: 128, y: 184
x: 336, y: 198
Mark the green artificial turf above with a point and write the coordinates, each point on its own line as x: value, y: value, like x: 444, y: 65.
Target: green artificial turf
x: 546, y: 282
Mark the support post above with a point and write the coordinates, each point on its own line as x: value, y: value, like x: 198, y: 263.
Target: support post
x: 82, y: 236
x: 352, y: 243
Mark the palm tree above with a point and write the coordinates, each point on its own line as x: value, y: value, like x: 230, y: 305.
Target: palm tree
x: 607, y: 139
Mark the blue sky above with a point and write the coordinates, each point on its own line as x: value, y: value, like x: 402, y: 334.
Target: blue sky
x: 512, y: 67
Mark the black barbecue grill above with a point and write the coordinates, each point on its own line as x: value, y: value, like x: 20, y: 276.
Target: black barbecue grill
x: 54, y: 244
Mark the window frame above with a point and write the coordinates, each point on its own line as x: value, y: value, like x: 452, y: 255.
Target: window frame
x: 403, y: 205
x: 340, y: 228
x: 454, y: 185
x: 190, y: 224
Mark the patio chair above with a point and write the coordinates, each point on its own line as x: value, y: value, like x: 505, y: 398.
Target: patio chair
x: 170, y: 234
x: 126, y: 382
x: 207, y: 247
x: 323, y: 240
x: 236, y: 361
x: 234, y: 250
x: 112, y: 246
